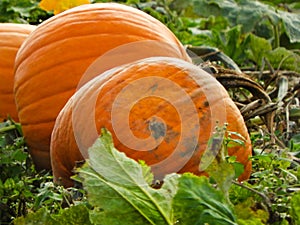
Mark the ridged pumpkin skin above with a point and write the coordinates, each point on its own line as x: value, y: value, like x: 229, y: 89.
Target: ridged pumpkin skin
x: 60, y: 54
x: 171, y: 107
x: 11, y: 37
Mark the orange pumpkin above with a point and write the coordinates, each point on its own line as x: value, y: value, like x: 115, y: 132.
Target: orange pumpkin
x: 60, y: 56
x: 11, y: 37
x: 161, y: 110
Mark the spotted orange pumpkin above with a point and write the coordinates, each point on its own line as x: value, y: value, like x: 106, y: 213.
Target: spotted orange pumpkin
x: 161, y: 110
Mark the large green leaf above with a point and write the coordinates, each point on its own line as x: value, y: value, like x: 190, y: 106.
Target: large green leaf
x: 249, y: 14
x: 291, y: 22
x: 118, y: 190
x: 197, y: 202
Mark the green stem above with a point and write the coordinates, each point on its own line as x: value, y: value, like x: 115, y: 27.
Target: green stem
x: 276, y: 36
x: 8, y: 128
x: 276, y: 32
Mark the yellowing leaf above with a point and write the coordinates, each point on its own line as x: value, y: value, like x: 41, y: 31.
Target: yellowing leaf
x: 58, y: 6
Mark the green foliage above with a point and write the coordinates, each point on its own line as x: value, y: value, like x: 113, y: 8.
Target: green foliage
x: 22, y: 11
x: 258, y: 47
x: 119, y: 189
x: 249, y: 14
x: 41, y: 217
x: 9, y: 131
x: 294, y: 143
x: 281, y: 58
x: 245, y: 30
x: 275, y: 177
x: 295, y: 208
x: 220, y: 167
x: 22, y: 188
x: 14, y: 164
x: 249, y: 214
x: 125, y: 191
x: 117, y: 186
x: 75, y: 215
x: 198, y: 202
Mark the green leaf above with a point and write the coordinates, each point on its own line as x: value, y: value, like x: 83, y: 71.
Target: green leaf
x: 9, y: 183
x: 22, y: 11
x: 40, y: 217
x: 281, y: 58
x: 295, y: 208
x: 257, y: 48
x: 214, y: 162
x: 118, y: 189
x: 19, y: 155
x: 147, y: 174
x: 75, y: 215
x: 245, y: 12
x: 238, y: 169
x: 234, y: 139
x: 294, y: 143
x: 233, y: 37
x: 291, y: 22
x: 266, y: 158
x: 197, y: 202
x: 223, y: 173
x: 247, y: 213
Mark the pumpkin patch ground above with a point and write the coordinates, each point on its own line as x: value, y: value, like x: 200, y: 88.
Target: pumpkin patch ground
x: 149, y: 112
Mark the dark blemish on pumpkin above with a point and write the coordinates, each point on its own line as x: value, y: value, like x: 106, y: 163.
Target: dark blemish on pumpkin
x: 153, y: 88
x: 157, y: 128
x: 206, y: 103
